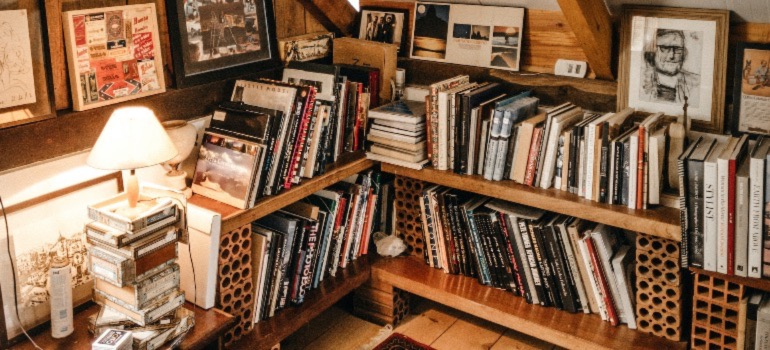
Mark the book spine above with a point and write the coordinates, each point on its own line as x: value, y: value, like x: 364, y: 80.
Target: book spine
x: 465, y: 136
x: 599, y: 275
x: 551, y: 297
x: 431, y: 111
x: 529, y: 176
x: 722, y: 205
x: 483, y: 267
x: 632, y: 170
x: 604, y: 164
x: 510, y: 158
x: 704, y: 226
x: 640, y: 169
x: 766, y: 238
x: 532, y: 260
x: 561, y: 281
x: 626, y: 181
x: 521, y: 259
x: 288, y: 143
x: 307, y: 156
x: 574, y: 154
x: 301, y: 140
x: 501, y: 254
x: 513, y: 260
x: 741, y: 225
x: 307, y: 264
x: 731, y: 217
x: 617, y: 174
x: 756, y: 180
x: 681, y: 171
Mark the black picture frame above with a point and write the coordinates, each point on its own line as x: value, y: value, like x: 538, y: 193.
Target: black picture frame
x: 403, y: 45
x: 747, y: 72
x: 45, y: 105
x: 236, y: 33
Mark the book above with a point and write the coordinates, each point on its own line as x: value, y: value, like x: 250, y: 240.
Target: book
x: 385, y: 159
x: 107, y: 212
x: 162, y: 305
x: 741, y: 218
x: 681, y: 169
x: 401, y: 111
x: 756, y: 205
x: 762, y: 339
x: 564, y: 119
x: 433, y: 113
x: 600, y: 277
x: 116, y: 238
x: 695, y: 202
x: 446, y: 114
x: 623, y: 264
x: 468, y: 101
x: 141, y: 293
x: 406, y: 146
x: 524, y: 139
x: 726, y: 166
x: 606, y: 243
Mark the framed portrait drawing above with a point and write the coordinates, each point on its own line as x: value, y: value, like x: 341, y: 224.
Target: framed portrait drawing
x: 113, y: 54
x: 667, y: 54
x: 384, y: 25
x: 26, y: 87
x: 41, y: 229
x: 751, y: 89
x: 215, y: 40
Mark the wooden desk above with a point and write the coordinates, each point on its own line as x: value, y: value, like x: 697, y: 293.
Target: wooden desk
x: 209, y: 326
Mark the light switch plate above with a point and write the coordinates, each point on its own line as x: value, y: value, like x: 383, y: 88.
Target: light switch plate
x: 570, y: 68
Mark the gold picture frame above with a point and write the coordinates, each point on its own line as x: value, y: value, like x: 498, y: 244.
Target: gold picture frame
x: 668, y: 53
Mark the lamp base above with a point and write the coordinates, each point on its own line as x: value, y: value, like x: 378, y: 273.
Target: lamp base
x: 178, y: 182
x: 134, y: 212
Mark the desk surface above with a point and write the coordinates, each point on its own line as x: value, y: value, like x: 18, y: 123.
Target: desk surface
x: 209, y: 325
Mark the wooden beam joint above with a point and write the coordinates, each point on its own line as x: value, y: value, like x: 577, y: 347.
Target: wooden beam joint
x: 590, y: 21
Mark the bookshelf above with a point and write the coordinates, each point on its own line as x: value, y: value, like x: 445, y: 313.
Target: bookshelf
x: 659, y: 221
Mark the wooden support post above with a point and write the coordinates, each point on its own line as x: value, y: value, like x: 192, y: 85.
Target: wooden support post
x: 591, y: 23
x: 335, y: 15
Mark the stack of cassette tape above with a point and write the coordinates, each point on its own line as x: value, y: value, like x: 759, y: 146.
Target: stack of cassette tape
x: 136, y: 277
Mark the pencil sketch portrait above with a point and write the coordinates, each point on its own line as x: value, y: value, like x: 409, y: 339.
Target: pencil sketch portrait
x: 671, y: 68
x: 17, y: 85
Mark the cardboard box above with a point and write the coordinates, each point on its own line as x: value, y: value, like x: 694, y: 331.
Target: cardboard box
x: 369, y: 53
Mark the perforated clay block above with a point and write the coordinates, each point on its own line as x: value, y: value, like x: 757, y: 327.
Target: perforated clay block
x: 235, y: 294
x: 659, y: 287
x: 408, y: 220
x: 715, y: 313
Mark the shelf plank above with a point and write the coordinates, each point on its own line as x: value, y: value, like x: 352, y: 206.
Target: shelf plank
x: 209, y: 326
x: 756, y: 283
x: 233, y: 218
x: 271, y: 331
x: 660, y: 221
x: 573, y: 331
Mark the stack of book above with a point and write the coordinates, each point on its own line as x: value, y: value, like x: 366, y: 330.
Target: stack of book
x: 133, y: 260
x: 725, y: 205
x: 754, y: 321
x: 274, y: 133
x: 547, y: 258
x: 397, y: 134
x: 296, y: 247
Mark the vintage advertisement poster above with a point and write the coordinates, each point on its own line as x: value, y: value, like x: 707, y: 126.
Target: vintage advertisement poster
x: 114, y: 54
x: 17, y: 85
x: 755, y: 92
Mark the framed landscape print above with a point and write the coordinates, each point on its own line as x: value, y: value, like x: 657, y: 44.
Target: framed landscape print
x: 215, y: 40
x: 384, y: 25
x: 481, y: 36
x: 669, y: 54
x: 751, y: 89
x: 41, y: 229
x: 113, y: 54
x: 26, y: 87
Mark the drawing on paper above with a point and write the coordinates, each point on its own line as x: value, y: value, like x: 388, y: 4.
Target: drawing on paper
x: 17, y: 84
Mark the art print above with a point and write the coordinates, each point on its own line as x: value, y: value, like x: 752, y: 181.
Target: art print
x: 384, y: 25
x: 306, y: 47
x: 751, y: 89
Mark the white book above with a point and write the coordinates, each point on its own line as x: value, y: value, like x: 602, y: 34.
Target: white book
x: 756, y: 204
x: 395, y: 137
x: 202, y: 252
x: 396, y: 131
x: 722, y: 207
x: 573, y: 265
x: 762, y: 340
x: 710, y: 209
x: 385, y: 159
x: 494, y: 140
x: 632, y: 165
x: 595, y: 287
x: 399, y: 125
x: 261, y: 240
x: 606, y: 241
x: 581, y: 167
x: 592, y: 128
x: 742, y: 218
x: 657, y: 153
x: 444, y: 114
x: 558, y: 123
x: 623, y: 268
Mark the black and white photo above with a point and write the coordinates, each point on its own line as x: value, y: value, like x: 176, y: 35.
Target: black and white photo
x: 383, y: 25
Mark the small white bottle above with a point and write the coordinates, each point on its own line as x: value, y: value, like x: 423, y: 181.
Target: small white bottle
x: 60, y: 285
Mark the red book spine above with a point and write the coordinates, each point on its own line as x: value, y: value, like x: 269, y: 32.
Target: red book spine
x: 731, y: 216
x: 599, y: 273
x: 300, y: 142
x: 641, y: 162
x: 348, y: 230
x: 534, y: 149
x: 367, y: 231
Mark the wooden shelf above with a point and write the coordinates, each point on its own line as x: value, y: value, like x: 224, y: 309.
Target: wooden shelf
x: 271, y: 331
x: 756, y: 283
x: 233, y: 218
x: 660, y: 221
x: 209, y: 326
x: 573, y: 331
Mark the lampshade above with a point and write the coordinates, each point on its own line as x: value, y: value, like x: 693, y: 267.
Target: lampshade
x: 133, y: 138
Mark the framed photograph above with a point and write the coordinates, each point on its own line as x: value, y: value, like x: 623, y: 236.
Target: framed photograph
x: 215, y: 40
x: 667, y: 54
x: 41, y: 229
x: 113, y: 55
x: 384, y: 25
x: 26, y: 86
x: 751, y: 89
x: 306, y: 47
x: 481, y: 36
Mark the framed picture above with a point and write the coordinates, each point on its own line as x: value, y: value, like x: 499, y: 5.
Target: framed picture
x: 26, y: 86
x: 384, y: 25
x: 751, y: 89
x: 306, y: 47
x: 667, y: 54
x: 215, y: 40
x: 113, y: 55
x: 41, y: 229
x: 481, y: 36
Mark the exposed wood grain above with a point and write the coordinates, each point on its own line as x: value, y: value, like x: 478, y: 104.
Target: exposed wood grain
x: 547, y: 37
x: 751, y: 32
x: 469, y: 334
x: 233, y: 218
x: 428, y: 323
x: 336, y: 15
x: 313, y: 329
x: 591, y: 23
x: 573, y: 331
x: 56, y: 49
x: 515, y: 340
x: 289, y: 18
x: 332, y: 289
x: 312, y: 25
x: 356, y: 333
x: 661, y: 221
x: 209, y: 326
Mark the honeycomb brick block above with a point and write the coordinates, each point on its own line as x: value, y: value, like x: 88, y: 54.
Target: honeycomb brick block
x: 658, y: 287
x: 235, y: 289
x: 408, y: 219
x: 716, y: 303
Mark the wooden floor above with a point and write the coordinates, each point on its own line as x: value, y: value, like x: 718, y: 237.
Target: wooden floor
x: 430, y: 323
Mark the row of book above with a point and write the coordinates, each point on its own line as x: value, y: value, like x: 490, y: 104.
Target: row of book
x: 547, y: 258
x: 274, y: 133
x: 397, y: 134
x: 727, y: 200
x: 754, y: 321
x: 296, y: 247
x: 615, y: 158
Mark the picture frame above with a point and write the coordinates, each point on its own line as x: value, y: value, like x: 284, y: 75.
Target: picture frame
x: 47, y: 225
x: 667, y: 53
x: 30, y: 97
x: 751, y: 89
x: 238, y: 38
x: 372, y: 28
x: 113, y: 54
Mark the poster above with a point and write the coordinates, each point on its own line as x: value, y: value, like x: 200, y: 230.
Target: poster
x: 17, y: 84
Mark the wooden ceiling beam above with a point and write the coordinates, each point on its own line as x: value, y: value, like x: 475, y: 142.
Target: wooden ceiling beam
x: 335, y: 15
x: 590, y: 21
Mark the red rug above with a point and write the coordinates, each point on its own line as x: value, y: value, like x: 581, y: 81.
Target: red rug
x: 401, y: 342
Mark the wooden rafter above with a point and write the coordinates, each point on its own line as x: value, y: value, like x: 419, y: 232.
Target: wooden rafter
x: 591, y: 23
x: 335, y: 15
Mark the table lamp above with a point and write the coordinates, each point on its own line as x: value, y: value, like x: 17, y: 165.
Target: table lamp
x: 133, y: 138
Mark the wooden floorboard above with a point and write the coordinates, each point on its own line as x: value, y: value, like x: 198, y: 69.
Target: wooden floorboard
x: 428, y: 322
x: 314, y: 329
x: 349, y: 333
x: 512, y: 340
x: 469, y: 333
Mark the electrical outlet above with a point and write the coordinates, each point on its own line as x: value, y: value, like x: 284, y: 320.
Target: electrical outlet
x: 570, y: 68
